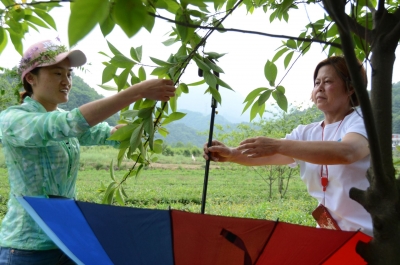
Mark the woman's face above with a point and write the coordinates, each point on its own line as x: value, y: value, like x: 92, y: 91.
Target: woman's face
x: 52, y: 85
x: 329, y: 93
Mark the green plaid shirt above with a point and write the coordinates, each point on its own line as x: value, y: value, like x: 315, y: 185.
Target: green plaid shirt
x: 42, y: 156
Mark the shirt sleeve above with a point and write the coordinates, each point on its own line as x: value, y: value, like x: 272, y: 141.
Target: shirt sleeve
x: 97, y: 135
x: 37, y: 129
x: 356, y: 124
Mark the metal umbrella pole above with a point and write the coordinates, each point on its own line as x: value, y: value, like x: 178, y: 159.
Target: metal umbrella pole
x: 210, y: 136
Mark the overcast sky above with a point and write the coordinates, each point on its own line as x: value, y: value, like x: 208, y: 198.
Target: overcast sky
x: 243, y: 64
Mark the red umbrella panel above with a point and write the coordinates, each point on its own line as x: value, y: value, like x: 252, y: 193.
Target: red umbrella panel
x: 92, y: 233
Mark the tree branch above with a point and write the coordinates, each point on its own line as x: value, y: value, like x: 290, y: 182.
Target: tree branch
x: 338, y: 15
x: 247, y: 31
x: 359, y: 30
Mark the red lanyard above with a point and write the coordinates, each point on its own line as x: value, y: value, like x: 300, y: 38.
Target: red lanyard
x: 324, y: 178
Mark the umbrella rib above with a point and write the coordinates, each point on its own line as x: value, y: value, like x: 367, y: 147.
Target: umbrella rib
x: 339, y: 247
x: 269, y: 237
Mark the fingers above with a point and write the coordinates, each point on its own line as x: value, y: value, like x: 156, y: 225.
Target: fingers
x: 248, y: 141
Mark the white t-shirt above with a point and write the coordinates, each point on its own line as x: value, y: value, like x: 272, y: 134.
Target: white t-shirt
x: 349, y: 214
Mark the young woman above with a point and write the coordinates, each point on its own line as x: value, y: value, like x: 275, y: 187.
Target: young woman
x: 333, y: 154
x: 41, y: 143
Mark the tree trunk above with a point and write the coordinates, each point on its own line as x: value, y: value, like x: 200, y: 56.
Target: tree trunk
x: 381, y: 199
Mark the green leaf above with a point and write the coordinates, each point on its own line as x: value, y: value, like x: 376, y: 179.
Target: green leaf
x: 157, y: 147
x: 16, y: 40
x: 136, y: 137
x: 261, y: 110
x: 291, y: 44
x: 173, y: 117
x: 113, y: 49
x: 182, y: 30
x: 170, y: 41
x: 280, y: 89
x: 123, y: 133
x: 107, y: 26
x: 280, y: 99
x: 202, y: 65
x: 145, y: 113
x: 288, y: 58
x: 160, y: 62
x: 119, y: 197
x: 3, y: 39
x: 108, y: 73
x: 147, y: 103
x: 211, y: 80
x: 112, y: 175
x: 15, y: 27
x: 213, y: 66
x: 129, y: 15
x: 80, y: 23
x: 214, y: 55
x: 149, y: 129
x: 134, y: 55
x: 270, y: 72
x: 109, y: 88
x: 184, y: 88
x: 109, y: 193
x: 279, y: 54
x: 142, y: 74
x: 173, y: 103
x: 148, y: 23
x: 160, y: 71
x: 163, y: 131
x: 121, y: 154
x: 121, y: 61
x: 134, y: 79
x: 253, y: 94
x: 139, y: 52
x: 130, y: 113
x: 122, y: 78
x: 197, y: 83
x: 230, y: 4
x: 222, y: 83
x: 46, y: 17
x: 30, y: 24
x: 254, y: 111
x: 216, y: 95
x: 264, y: 97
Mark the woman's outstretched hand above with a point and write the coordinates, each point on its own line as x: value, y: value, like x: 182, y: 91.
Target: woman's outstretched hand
x: 259, y: 147
x: 157, y: 89
x: 217, y: 152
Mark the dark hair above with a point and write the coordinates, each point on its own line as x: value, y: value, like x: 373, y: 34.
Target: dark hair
x: 339, y: 63
x: 28, y: 88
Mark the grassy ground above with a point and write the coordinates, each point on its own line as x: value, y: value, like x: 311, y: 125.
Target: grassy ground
x: 232, y: 190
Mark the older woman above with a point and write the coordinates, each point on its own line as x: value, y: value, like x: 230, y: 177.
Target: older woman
x: 41, y: 143
x: 333, y: 154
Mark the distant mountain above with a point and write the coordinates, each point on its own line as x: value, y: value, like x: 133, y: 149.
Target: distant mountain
x: 201, y: 122
x: 179, y: 132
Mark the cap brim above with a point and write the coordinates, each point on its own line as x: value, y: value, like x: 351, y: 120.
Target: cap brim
x: 76, y: 58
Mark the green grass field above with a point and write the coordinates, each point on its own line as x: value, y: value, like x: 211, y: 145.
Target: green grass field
x: 232, y: 190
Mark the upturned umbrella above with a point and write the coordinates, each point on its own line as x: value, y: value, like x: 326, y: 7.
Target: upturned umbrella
x: 99, y: 234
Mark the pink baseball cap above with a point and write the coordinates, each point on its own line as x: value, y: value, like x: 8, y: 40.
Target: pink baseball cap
x: 46, y: 53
